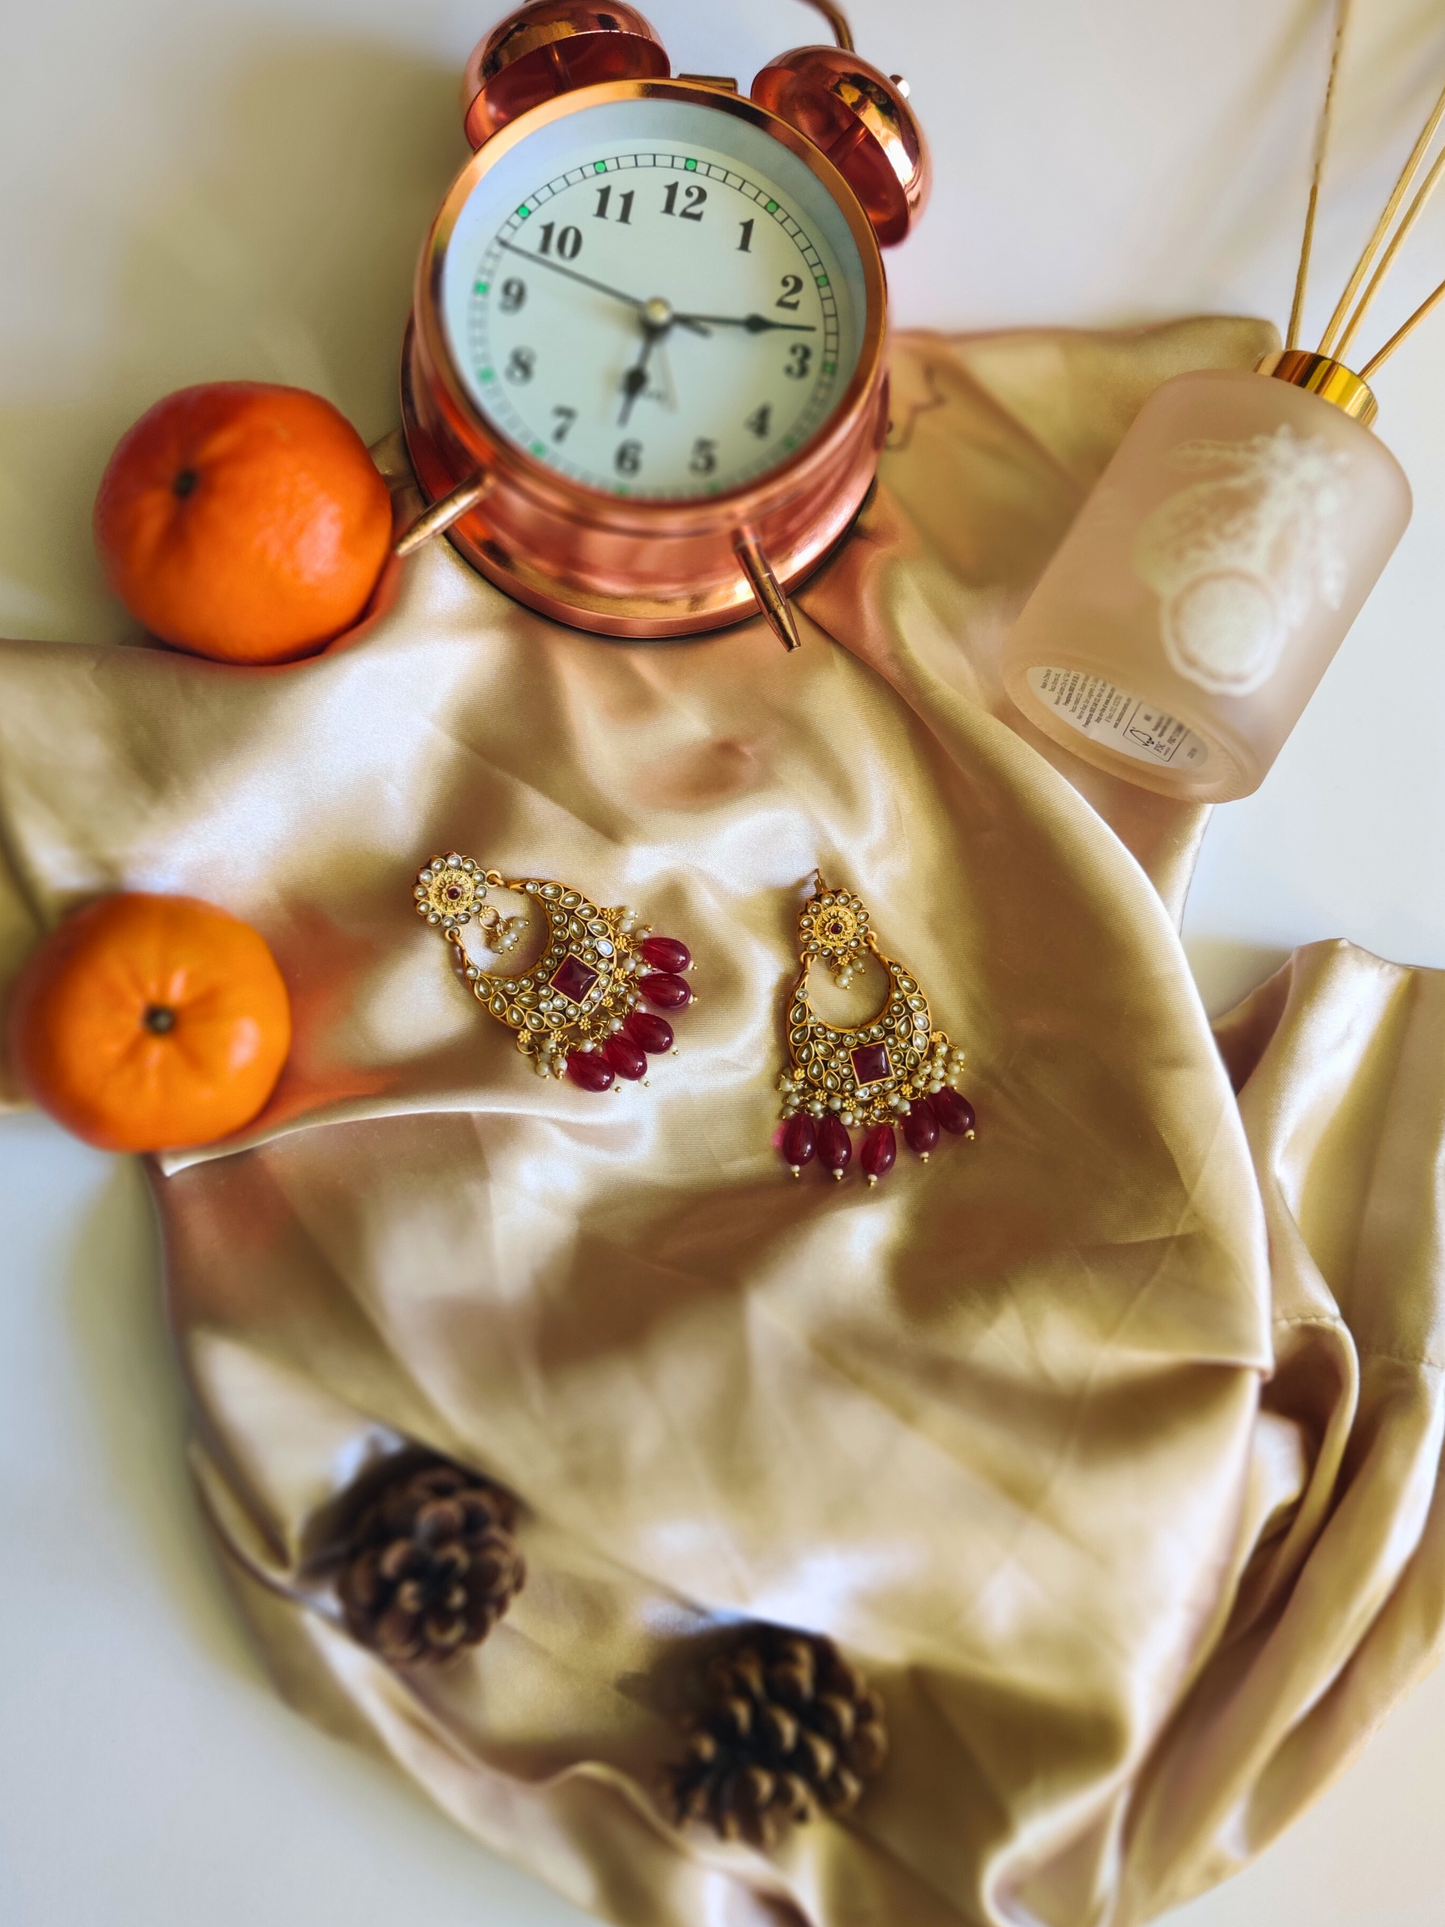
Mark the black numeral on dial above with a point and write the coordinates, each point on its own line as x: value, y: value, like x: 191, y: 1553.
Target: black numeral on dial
x: 745, y: 246
x: 628, y: 459
x: 624, y: 206
x: 522, y: 365
x: 514, y: 296
x: 569, y: 242
x: 800, y: 360
x: 691, y: 209
x: 792, y: 288
x: 704, y: 456
x: 564, y: 418
x: 760, y: 421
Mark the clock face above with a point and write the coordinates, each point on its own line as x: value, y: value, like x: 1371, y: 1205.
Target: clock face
x: 654, y: 298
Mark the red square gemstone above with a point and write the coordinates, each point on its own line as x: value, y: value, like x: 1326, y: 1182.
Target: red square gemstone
x: 871, y: 1063
x: 574, y: 979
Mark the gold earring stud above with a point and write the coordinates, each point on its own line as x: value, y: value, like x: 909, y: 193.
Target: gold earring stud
x: 577, y: 1012
x: 894, y: 1071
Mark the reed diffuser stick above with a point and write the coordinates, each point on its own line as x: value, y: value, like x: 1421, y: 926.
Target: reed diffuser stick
x: 1401, y: 234
x: 1322, y: 147
x: 1382, y: 227
x: 1426, y: 307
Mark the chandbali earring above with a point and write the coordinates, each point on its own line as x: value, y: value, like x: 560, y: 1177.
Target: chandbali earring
x: 577, y: 1011
x: 895, y: 1069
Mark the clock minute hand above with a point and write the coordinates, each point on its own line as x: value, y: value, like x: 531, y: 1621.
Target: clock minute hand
x: 695, y: 322
x: 755, y: 324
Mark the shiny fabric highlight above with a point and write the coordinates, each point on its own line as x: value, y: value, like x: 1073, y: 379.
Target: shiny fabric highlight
x: 1108, y: 1445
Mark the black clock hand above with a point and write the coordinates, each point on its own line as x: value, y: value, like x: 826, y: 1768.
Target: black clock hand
x: 695, y: 322
x: 755, y: 324
x: 635, y: 380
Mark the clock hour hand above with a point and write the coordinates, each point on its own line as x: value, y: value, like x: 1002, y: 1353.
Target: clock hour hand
x: 694, y: 322
x: 635, y: 380
x: 756, y: 324
x: 658, y: 321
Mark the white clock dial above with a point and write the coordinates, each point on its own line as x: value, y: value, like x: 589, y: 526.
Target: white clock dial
x: 648, y: 312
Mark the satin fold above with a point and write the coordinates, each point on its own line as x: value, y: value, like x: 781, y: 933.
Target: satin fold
x: 1107, y: 1445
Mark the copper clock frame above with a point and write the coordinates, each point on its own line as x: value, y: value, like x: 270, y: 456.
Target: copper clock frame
x: 621, y: 566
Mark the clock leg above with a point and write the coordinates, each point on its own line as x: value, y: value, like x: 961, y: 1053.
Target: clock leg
x: 440, y: 516
x: 768, y: 590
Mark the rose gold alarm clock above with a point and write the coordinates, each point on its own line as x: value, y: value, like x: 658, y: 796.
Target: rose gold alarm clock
x: 644, y: 384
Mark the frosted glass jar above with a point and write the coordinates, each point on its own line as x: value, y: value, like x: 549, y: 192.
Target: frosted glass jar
x: 1186, y: 620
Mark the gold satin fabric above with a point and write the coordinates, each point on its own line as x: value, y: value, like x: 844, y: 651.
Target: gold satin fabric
x: 1108, y: 1445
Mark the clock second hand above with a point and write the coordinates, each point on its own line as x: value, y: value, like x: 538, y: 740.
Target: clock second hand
x: 697, y: 323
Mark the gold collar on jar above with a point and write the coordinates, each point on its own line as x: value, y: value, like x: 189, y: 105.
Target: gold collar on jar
x: 1331, y: 380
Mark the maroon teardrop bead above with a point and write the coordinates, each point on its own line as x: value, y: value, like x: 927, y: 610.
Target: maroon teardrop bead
x: 920, y: 1127
x: 660, y: 987
x: 953, y: 1112
x: 590, y: 1071
x: 880, y: 1152
x: 653, y: 1033
x: 835, y: 1147
x: 626, y: 1058
x: 800, y: 1141
x: 666, y: 953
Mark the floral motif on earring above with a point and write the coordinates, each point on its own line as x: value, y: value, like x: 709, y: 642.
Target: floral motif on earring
x: 834, y: 929
x: 577, y: 1011
x: 895, y: 1069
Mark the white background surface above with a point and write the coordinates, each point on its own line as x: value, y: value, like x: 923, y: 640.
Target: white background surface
x: 228, y: 188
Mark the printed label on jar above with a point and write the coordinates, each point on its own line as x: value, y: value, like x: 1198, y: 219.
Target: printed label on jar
x: 1112, y: 716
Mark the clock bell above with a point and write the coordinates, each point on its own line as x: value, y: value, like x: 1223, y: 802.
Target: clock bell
x: 858, y: 116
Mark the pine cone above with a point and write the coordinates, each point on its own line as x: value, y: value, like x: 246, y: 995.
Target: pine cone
x: 431, y: 1565
x: 788, y: 1727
